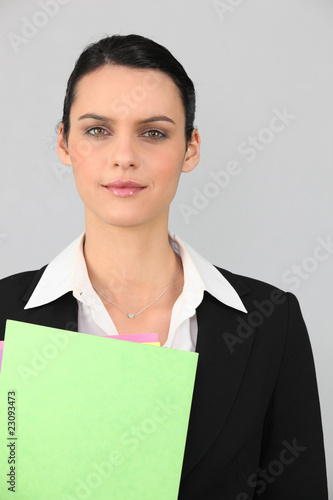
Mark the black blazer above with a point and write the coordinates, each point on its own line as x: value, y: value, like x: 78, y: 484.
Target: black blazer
x: 255, y: 427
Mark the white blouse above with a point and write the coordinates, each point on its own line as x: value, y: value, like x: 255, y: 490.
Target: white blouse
x: 68, y: 272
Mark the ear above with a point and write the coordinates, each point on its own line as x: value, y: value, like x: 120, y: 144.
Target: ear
x: 62, y: 148
x: 192, y: 155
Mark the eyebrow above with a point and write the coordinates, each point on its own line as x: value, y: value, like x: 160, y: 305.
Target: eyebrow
x: 157, y: 118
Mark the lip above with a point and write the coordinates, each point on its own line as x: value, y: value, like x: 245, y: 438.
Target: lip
x: 124, y: 184
x: 124, y: 188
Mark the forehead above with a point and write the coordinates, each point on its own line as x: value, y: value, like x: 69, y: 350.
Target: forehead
x: 137, y: 90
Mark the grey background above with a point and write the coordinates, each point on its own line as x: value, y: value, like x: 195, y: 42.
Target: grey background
x: 256, y: 56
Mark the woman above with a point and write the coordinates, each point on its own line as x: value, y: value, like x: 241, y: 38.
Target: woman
x: 127, y: 130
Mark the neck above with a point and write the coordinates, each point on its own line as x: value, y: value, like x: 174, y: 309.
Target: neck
x: 129, y: 263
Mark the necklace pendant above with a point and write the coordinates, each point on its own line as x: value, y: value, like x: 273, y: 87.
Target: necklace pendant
x: 130, y: 315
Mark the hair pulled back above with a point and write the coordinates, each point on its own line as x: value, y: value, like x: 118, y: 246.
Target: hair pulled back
x: 133, y: 51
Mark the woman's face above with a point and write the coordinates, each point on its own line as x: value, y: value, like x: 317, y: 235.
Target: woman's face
x: 127, y: 144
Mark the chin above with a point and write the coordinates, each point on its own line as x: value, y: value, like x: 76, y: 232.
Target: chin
x: 126, y: 221
x: 131, y: 218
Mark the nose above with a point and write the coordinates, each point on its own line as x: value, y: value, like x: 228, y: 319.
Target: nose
x: 124, y: 153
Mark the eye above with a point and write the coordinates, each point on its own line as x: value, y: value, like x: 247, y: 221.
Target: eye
x: 155, y: 134
x: 97, y: 131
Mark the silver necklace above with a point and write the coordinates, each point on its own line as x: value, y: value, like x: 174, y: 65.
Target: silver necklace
x: 131, y: 315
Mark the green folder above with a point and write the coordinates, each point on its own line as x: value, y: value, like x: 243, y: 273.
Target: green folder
x: 86, y: 417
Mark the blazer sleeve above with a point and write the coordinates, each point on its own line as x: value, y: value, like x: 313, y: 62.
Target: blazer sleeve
x: 292, y: 459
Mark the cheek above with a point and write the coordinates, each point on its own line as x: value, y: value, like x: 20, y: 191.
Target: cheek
x: 80, y: 151
x: 82, y: 148
x: 85, y: 161
x: 84, y: 173
x: 172, y: 166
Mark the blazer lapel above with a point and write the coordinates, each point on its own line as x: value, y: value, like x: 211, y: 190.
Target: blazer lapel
x: 219, y: 374
x: 61, y: 313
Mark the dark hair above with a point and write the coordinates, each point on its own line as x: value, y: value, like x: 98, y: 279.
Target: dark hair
x: 134, y: 51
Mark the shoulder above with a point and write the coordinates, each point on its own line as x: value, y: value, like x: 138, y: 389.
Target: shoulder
x: 245, y: 285
x: 267, y: 305
x: 273, y: 323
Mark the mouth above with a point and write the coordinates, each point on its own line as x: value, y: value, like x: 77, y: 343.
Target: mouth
x: 124, y: 189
